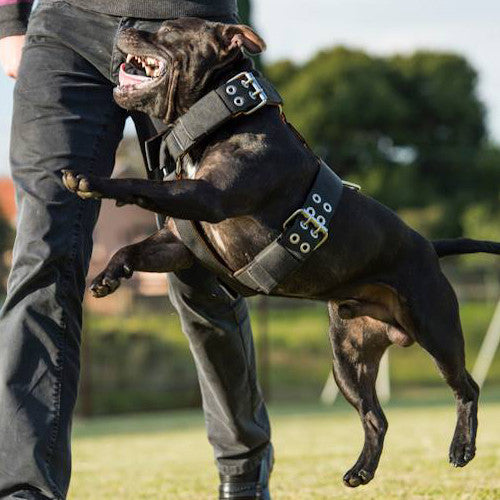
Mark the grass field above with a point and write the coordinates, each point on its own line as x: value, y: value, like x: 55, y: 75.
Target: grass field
x: 166, y: 456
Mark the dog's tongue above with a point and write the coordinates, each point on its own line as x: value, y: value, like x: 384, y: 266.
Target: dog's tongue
x: 127, y: 79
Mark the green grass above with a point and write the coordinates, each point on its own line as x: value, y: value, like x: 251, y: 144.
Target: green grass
x: 166, y: 456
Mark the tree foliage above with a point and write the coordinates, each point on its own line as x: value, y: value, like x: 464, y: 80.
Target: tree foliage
x: 245, y: 11
x: 411, y: 127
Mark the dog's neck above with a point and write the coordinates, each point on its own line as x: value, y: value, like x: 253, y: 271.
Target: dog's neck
x: 185, y: 99
x: 220, y: 77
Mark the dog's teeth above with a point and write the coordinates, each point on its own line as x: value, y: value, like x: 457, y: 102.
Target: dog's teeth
x: 149, y: 71
x: 129, y: 57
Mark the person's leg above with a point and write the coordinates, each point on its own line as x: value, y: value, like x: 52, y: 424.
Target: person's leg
x: 64, y: 117
x: 217, y: 325
x: 220, y: 337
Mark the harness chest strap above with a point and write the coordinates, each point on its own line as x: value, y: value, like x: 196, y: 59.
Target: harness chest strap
x: 304, y: 232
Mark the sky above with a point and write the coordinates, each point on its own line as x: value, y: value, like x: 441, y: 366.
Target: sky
x: 296, y: 29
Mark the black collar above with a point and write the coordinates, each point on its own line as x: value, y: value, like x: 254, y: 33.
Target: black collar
x: 243, y: 94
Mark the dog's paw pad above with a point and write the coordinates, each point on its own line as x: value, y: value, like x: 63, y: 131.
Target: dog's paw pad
x: 354, y: 477
x: 103, y: 286
x: 70, y: 180
x: 461, y: 454
x: 79, y: 184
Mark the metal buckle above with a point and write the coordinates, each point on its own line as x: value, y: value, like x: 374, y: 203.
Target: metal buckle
x: 352, y: 185
x: 309, y: 219
x: 255, y: 90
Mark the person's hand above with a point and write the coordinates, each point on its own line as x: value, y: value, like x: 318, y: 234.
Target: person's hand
x: 11, y: 48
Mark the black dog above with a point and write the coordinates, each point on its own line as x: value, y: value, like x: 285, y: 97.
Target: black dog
x: 382, y: 280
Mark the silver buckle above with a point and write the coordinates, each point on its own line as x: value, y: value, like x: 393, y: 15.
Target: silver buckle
x: 255, y: 90
x: 310, y: 219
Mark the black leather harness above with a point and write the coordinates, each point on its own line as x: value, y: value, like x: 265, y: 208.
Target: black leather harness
x: 303, y: 232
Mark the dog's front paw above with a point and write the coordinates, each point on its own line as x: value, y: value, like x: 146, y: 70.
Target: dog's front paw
x: 461, y: 453
x: 357, y: 476
x: 80, y: 185
x: 109, y: 280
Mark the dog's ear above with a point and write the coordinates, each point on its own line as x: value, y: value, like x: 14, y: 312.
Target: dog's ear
x: 240, y: 35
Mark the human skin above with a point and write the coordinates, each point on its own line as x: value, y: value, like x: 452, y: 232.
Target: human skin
x: 11, y: 49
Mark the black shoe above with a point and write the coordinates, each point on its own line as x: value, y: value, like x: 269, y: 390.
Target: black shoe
x: 253, y: 485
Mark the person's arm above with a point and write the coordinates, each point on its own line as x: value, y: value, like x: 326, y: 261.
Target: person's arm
x: 14, y: 16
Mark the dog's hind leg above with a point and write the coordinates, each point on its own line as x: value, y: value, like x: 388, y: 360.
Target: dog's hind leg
x: 358, y: 345
x: 439, y: 332
x: 159, y: 253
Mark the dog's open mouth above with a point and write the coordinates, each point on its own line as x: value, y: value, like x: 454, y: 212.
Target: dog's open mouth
x: 140, y: 71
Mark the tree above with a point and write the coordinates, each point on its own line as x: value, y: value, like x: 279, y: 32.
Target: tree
x: 245, y: 10
x: 409, y: 127
x: 344, y: 102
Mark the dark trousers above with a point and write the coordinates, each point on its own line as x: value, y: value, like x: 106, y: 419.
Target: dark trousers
x: 65, y: 117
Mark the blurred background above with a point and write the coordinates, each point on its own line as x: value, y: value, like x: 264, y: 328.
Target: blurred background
x: 402, y: 100
x: 400, y: 97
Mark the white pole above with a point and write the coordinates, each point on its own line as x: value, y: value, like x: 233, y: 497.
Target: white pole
x: 384, y: 379
x: 488, y: 349
x: 330, y: 390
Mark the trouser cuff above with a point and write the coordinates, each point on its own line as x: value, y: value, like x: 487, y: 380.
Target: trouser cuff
x: 235, y: 466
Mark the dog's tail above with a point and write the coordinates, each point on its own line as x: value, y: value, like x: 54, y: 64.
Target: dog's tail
x: 460, y: 246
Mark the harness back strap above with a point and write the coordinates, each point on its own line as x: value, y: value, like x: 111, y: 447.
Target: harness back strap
x: 243, y: 94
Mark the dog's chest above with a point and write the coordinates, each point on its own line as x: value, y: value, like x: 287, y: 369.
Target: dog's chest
x: 237, y: 240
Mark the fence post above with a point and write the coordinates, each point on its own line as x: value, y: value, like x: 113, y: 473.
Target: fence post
x: 330, y: 390
x: 488, y: 349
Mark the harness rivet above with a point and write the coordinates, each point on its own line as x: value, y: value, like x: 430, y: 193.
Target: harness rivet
x: 231, y: 89
x: 305, y: 248
x: 321, y: 220
x: 316, y: 198
x: 327, y: 207
x: 294, y: 238
x: 314, y: 234
x: 239, y: 101
x: 311, y: 211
